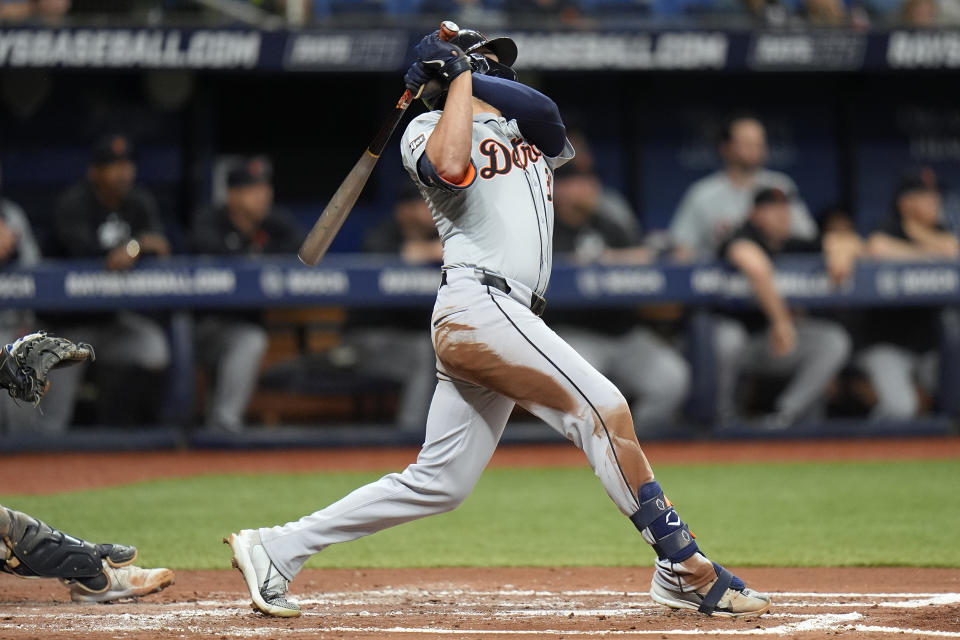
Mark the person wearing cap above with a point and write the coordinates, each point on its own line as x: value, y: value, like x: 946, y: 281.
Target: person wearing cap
x: 900, y: 355
x: 807, y: 351
x: 232, y: 346
x: 715, y: 205
x: 108, y: 217
x: 594, y: 224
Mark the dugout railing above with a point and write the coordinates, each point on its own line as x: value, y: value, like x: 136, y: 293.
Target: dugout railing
x: 181, y: 286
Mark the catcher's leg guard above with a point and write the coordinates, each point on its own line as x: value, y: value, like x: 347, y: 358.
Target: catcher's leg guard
x: 37, y: 550
x: 661, y: 526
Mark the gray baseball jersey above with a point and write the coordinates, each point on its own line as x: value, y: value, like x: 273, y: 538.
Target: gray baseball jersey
x: 489, y: 227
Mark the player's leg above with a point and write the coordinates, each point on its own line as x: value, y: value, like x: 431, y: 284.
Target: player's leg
x: 464, y: 424
x: 94, y: 572
x: 729, y: 341
x: 822, y: 349
x: 890, y: 371
x: 654, y: 373
x: 233, y: 351
x: 532, y: 365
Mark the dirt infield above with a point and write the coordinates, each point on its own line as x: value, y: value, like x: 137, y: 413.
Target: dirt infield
x: 497, y: 604
x: 493, y: 603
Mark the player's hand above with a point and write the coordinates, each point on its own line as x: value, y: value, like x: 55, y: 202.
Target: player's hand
x: 416, y: 77
x: 783, y: 338
x: 155, y: 244
x: 441, y: 58
x: 26, y: 363
x: 122, y: 258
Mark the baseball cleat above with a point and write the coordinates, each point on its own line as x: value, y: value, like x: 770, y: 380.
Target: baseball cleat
x: 725, y: 597
x: 268, y: 588
x: 128, y: 581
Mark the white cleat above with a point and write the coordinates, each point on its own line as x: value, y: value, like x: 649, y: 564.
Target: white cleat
x: 125, y: 582
x: 268, y: 588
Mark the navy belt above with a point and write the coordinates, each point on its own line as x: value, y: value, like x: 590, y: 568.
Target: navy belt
x: 538, y: 304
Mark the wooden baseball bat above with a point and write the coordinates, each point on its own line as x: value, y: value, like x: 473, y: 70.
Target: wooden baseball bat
x: 325, y: 229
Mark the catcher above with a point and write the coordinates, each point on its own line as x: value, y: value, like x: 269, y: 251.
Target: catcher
x: 30, y: 548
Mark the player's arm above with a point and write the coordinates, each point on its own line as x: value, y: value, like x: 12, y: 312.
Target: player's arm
x: 841, y: 250
x: 448, y: 148
x: 750, y: 259
x: 886, y: 247
x: 536, y: 114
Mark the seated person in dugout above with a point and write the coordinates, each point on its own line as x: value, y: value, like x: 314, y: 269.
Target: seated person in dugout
x: 231, y: 345
x: 109, y: 217
x: 900, y: 346
x: 593, y: 226
x: 777, y: 342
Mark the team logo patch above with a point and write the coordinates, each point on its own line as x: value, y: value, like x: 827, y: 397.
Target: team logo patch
x: 416, y: 142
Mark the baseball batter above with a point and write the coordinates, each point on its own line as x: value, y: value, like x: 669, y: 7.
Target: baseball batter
x: 484, y: 162
x: 30, y: 548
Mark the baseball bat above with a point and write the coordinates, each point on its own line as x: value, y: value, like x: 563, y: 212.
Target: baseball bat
x: 325, y: 229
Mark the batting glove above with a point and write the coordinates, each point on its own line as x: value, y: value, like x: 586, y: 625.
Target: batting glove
x: 443, y: 59
x: 416, y: 76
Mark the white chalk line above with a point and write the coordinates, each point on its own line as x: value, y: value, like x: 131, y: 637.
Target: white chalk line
x: 190, y: 618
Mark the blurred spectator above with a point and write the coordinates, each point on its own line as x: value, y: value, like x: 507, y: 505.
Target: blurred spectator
x: 50, y: 12
x: 918, y: 13
x: 547, y: 12
x: 14, y: 10
x: 409, y: 232
x: 807, y: 351
x: 44, y: 12
x: 825, y: 13
x: 476, y: 14
x: 18, y: 250
x: 715, y: 205
x: 106, y: 216
x: 902, y: 351
x: 594, y: 224
x: 232, y: 345
x: 398, y: 348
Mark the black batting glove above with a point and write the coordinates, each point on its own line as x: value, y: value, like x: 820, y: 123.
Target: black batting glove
x: 416, y: 76
x: 440, y: 58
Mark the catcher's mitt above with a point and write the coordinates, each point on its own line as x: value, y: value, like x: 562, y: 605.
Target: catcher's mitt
x: 25, y: 364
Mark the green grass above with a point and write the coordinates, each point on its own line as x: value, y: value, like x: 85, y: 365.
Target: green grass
x: 889, y: 513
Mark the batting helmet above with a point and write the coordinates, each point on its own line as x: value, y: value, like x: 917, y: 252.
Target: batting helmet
x: 471, y: 42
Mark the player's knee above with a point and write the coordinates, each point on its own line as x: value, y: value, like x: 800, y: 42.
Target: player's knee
x: 4, y: 522
x: 729, y: 340
x: 252, y: 340
x: 154, y: 354
x: 617, y: 419
x: 671, y: 382
x: 835, y: 343
x: 452, y: 498
x: 901, y: 405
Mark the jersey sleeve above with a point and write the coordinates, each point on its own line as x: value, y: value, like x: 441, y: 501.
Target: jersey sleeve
x: 565, y: 156
x: 414, y: 142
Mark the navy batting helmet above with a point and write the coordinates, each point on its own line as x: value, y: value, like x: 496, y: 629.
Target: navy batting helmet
x: 475, y: 44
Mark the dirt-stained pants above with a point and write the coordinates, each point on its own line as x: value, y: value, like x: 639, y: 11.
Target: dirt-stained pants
x: 492, y: 353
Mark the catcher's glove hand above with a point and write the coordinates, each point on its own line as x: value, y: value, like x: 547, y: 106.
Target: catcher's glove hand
x: 26, y: 363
